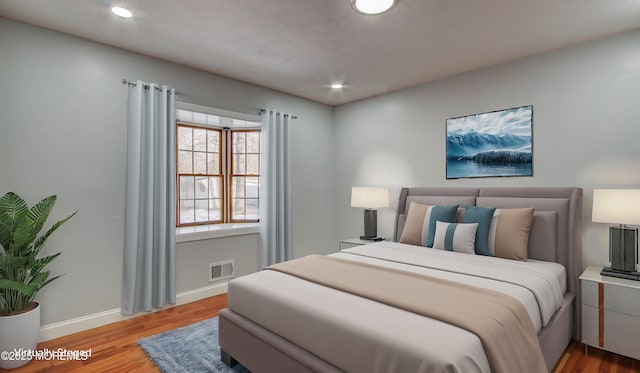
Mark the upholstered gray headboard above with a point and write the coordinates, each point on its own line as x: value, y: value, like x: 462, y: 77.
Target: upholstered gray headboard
x: 556, y: 233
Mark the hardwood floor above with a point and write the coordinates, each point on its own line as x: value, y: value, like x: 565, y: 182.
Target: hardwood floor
x: 114, y: 348
x: 596, y: 360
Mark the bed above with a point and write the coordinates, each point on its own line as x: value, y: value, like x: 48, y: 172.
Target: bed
x: 279, y: 322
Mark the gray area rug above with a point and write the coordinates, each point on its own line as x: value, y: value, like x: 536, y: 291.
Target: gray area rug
x: 190, y: 349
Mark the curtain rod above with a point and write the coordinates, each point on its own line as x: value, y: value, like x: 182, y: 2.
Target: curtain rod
x: 146, y: 85
x: 133, y: 84
x: 262, y: 111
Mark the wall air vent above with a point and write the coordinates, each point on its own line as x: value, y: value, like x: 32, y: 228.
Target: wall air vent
x: 220, y: 270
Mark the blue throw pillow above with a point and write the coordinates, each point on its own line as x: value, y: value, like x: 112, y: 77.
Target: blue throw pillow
x: 446, y: 214
x: 482, y: 216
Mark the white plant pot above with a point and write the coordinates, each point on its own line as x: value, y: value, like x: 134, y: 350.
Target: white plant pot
x: 18, y: 336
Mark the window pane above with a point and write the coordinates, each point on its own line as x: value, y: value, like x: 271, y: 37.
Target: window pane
x: 199, y: 139
x: 214, y: 210
x: 185, y: 138
x: 238, y: 142
x: 239, y: 166
x: 238, y: 209
x: 202, y: 210
x: 186, y: 187
x: 186, y: 212
x: 185, y: 162
x: 202, y: 187
x: 215, y: 187
x: 213, y: 163
x: 253, y: 164
x: 238, y: 187
x: 251, y: 187
x: 213, y: 141
x: 199, y: 163
x: 253, y: 142
x: 252, y: 209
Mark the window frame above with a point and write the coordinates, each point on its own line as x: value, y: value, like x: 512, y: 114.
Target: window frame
x: 226, y: 167
x: 220, y: 175
x: 231, y: 167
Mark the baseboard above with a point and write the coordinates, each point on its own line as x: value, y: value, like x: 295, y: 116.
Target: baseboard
x: 60, y: 329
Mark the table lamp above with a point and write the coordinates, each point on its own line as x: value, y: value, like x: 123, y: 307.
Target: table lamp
x: 622, y: 207
x: 370, y: 199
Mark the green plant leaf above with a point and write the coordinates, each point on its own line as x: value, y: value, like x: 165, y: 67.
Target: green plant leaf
x: 16, y: 262
x: 48, y: 281
x: 41, y: 263
x: 38, y: 279
x: 25, y: 289
x: 12, y: 208
x: 39, y: 213
x: 40, y: 241
x: 22, y: 235
x: 6, y: 230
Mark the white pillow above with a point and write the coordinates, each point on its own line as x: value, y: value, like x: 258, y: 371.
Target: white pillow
x: 456, y: 237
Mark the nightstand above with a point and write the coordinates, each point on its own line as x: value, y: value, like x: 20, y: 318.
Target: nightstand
x: 351, y: 242
x: 610, y: 312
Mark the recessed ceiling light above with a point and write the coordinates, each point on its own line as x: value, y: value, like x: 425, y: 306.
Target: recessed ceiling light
x: 122, y: 12
x: 372, y: 6
x: 336, y: 86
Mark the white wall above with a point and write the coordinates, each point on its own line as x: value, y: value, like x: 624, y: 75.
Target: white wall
x: 63, y: 131
x: 586, y: 129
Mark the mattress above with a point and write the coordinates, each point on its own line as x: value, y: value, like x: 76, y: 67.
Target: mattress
x: 325, y: 321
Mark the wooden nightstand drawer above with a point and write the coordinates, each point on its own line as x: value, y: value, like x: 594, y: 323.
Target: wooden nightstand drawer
x: 622, y: 299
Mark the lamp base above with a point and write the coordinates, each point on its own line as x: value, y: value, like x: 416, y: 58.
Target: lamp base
x: 623, y: 248
x: 370, y: 223
x: 629, y: 275
x: 372, y: 238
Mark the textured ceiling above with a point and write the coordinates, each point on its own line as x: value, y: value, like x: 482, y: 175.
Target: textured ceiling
x: 301, y: 46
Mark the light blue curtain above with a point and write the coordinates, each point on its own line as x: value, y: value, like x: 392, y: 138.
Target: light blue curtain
x: 275, y: 189
x: 148, y: 277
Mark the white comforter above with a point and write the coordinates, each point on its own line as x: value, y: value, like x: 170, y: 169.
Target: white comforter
x: 359, y: 335
x: 534, y: 277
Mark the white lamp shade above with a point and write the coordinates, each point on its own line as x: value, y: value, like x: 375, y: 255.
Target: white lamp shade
x: 369, y: 198
x: 616, y: 206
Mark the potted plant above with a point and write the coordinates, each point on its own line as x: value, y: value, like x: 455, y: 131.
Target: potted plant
x: 22, y: 275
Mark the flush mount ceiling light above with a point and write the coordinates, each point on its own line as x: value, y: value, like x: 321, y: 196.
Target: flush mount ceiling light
x: 372, y: 6
x: 336, y: 86
x: 121, y: 12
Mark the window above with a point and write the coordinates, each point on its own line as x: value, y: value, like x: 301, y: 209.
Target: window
x: 218, y: 169
x: 245, y: 175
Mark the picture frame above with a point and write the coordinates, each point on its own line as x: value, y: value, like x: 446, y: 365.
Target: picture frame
x: 492, y: 144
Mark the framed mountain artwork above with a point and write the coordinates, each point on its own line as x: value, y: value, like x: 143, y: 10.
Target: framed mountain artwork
x: 493, y: 144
